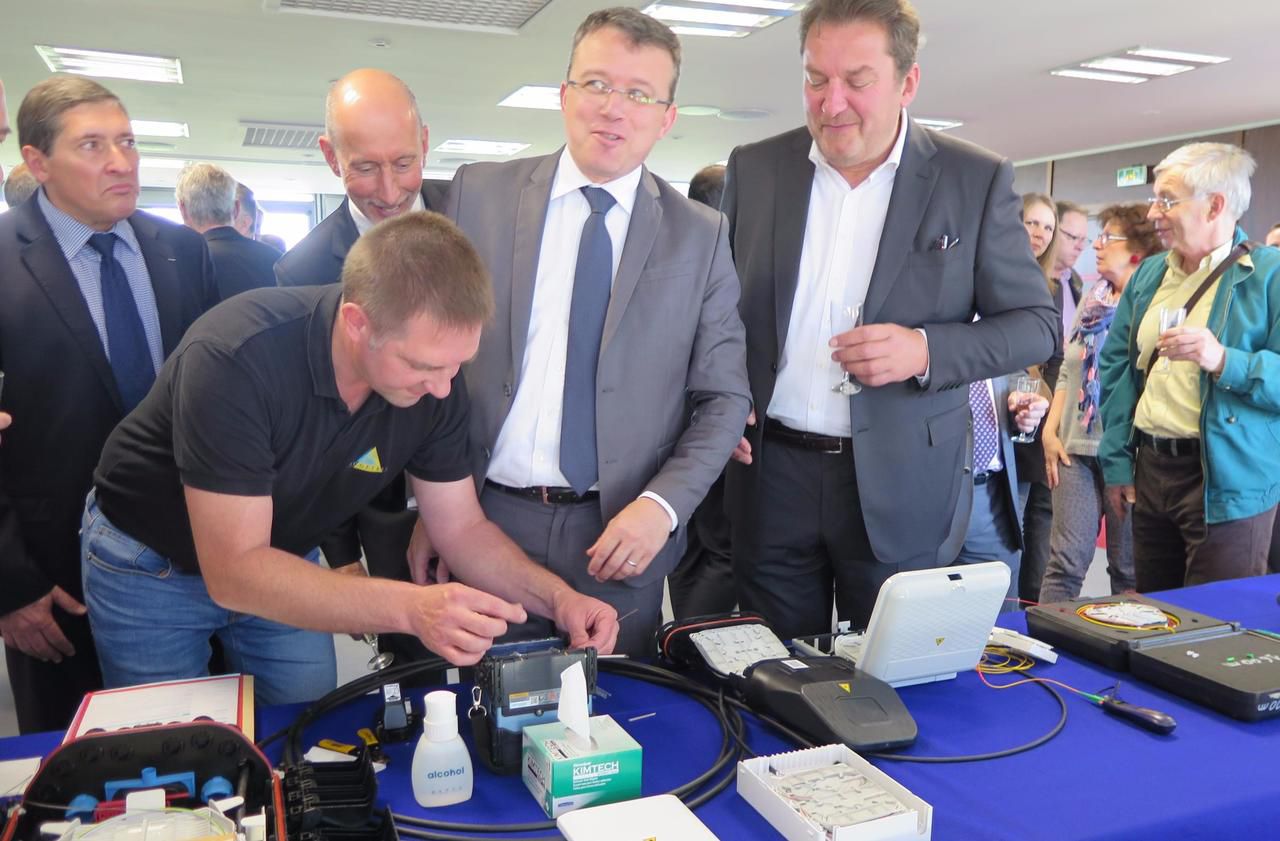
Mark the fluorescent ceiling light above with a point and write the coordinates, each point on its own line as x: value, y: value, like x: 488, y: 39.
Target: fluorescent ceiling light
x: 688, y: 14
x: 938, y: 125
x: 1100, y: 76
x: 1135, y: 65
x: 142, y: 68
x: 771, y: 5
x: 1176, y: 55
x: 501, y: 148
x: 543, y: 97
x: 710, y: 31
x: 159, y: 128
x: 162, y: 163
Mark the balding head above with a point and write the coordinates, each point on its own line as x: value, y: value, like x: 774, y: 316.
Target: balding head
x: 375, y: 142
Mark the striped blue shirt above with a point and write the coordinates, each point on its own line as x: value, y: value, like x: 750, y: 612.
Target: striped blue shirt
x: 86, y: 264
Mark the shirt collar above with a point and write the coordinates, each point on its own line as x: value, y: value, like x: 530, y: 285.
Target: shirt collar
x: 364, y: 223
x: 890, y: 164
x: 320, y: 342
x: 1213, y: 258
x: 570, y: 178
x: 72, y: 234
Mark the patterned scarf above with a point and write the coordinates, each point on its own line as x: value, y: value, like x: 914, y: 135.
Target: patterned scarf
x: 1090, y: 333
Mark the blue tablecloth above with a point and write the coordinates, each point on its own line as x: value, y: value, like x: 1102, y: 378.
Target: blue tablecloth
x: 1101, y: 779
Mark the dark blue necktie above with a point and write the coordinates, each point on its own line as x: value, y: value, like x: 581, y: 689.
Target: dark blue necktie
x: 986, y: 436
x: 592, y: 281
x: 126, y: 339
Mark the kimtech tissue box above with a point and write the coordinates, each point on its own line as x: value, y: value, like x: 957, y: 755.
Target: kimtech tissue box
x: 563, y: 772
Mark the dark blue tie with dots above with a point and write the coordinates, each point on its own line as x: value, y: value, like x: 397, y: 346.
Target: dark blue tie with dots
x: 127, y: 348
x: 986, y: 436
x: 592, y: 282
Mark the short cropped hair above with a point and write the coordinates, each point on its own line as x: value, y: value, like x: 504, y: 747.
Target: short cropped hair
x: 1066, y: 206
x: 40, y: 115
x: 417, y: 263
x: 1134, y: 224
x: 19, y: 186
x: 707, y: 185
x: 898, y: 17
x: 208, y: 193
x: 1207, y: 168
x: 640, y: 30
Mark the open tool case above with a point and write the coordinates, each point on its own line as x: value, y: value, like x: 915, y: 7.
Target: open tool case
x: 205, y: 753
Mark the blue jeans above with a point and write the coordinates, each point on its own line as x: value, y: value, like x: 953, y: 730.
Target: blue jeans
x: 153, y: 622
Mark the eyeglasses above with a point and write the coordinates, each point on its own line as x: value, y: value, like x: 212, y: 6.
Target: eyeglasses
x: 1105, y: 239
x: 1164, y: 204
x: 1074, y: 239
x: 597, y: 88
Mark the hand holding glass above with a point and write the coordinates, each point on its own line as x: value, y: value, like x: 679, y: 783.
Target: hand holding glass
x: 845, y: 317
x: 1170, y: 317
x: 1028, y: 388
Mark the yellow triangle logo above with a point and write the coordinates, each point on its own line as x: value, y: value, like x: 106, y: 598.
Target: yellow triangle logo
x: 369, y: 462
x: 939, y: 640
x: 844, y: 686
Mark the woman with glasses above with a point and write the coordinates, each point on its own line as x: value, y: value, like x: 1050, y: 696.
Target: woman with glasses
x: 1073, y: 428
x: 1191, y: 413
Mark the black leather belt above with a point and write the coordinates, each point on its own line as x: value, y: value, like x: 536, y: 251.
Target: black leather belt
x: 546, y: 495
x: 1168, y: 446
x: 989, y: 476
x: 806, y: 440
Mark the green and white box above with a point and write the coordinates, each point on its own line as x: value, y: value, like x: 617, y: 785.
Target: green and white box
x: 564, y: 773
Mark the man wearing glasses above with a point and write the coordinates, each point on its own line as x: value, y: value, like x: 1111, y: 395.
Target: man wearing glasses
x: 611, y: 388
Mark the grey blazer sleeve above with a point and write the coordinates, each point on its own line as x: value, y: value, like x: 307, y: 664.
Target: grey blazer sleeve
x: 719, y: 396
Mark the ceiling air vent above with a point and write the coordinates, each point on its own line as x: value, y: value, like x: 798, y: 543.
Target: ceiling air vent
x: 507, y: 16
x: 281, y: 135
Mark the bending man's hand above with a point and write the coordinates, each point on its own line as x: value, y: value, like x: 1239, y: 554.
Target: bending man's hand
x: 879, y: 354
x: 460, y: 623
x: 419, y: 558
x: 33, y: 630
x: 629, y: 542
x: 587, y: 621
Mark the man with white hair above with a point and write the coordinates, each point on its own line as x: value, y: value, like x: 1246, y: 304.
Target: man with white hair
x: 207, y: 201
x: 1188, y: 412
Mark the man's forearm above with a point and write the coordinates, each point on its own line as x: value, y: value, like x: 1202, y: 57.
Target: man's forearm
x: 489, y: 560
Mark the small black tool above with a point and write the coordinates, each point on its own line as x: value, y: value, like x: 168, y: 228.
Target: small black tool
x: 1153, y: 720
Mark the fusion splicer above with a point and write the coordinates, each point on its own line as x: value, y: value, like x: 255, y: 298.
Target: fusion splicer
x: 518, y: 684
x: 829, y: 700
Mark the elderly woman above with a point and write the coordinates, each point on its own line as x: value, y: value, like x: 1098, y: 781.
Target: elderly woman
x: 1073, y: 429
x: 1192, y: 439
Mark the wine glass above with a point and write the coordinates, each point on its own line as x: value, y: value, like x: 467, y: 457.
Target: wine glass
x: 845, y: 317
x: 380, y: 659
x: 1170, y: 317
x: 1028, y: 387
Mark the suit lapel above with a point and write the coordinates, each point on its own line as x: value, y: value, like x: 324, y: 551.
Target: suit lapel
x: 531, y: 218
x: 162, y: 265
x: 912, y: 188
x: 344, y: 235
x: 646, y: 216
x: 791, y: 211
x: 43, y: 258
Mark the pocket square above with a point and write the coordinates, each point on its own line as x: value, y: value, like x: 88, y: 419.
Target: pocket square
x: 944, y: 243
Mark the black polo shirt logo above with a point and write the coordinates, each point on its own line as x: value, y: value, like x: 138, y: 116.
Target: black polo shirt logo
x: 369, y: 462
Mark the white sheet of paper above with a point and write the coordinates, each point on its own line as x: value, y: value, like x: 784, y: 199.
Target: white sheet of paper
x: 218, y: 698
x: 16, y: 773
x: 572, y: 709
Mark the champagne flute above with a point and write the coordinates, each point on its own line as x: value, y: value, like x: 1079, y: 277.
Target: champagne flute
x: 380, y: 659
x: 845, y: 317
x: 1027, y: 386
x: 1170, y: 317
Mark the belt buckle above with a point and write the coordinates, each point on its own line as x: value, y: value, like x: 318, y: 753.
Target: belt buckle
x: 546, y: 499
x: 837, y: 450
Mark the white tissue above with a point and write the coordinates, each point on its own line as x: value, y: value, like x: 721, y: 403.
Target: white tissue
x: 572, y: 709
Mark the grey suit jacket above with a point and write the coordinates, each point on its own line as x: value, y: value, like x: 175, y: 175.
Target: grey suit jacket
x: 672, y: 334
x: 911, y: 444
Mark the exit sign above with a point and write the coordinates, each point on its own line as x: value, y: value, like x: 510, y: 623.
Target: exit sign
x: 1131, y: 176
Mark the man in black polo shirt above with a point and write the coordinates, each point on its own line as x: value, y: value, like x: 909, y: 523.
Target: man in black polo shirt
x: 280, y: 415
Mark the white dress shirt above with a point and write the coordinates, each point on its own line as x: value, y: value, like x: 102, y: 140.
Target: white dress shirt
x: 841, y: 241
x: 527, y: 452
x: 364, y: 223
